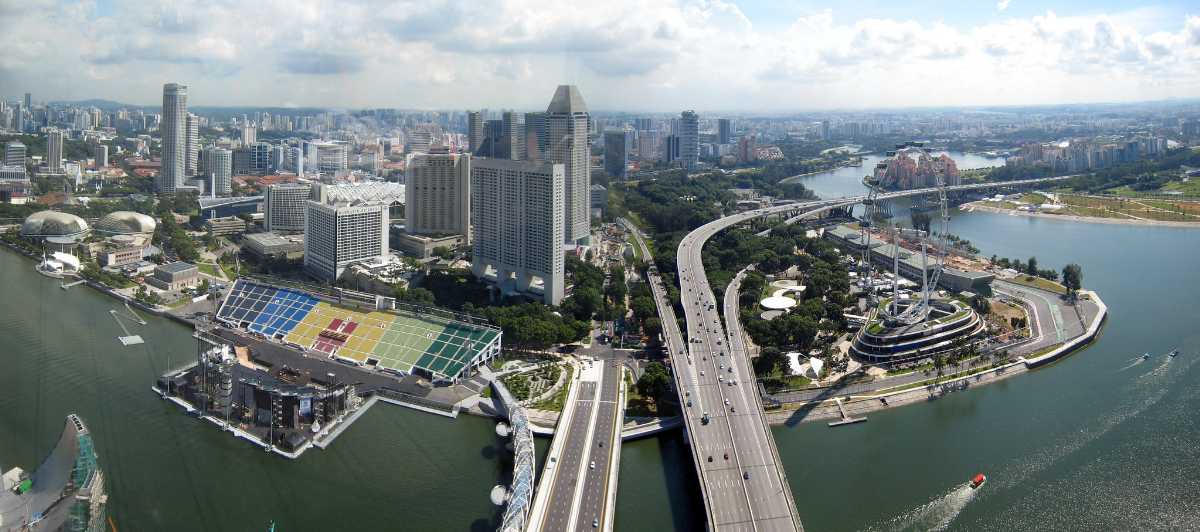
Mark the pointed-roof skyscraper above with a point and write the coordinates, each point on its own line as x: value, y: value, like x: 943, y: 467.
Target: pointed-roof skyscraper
x: 567, y: 144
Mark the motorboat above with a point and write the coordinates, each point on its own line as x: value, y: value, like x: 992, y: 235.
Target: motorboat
x: 1145, y: 356
x: 1173, y: 353
x: 978, y: 480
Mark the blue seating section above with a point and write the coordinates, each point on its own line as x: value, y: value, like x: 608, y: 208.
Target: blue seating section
x: 265, y: 309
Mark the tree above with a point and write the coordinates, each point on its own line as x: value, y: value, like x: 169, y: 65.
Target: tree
x: 419, y: 296
x: 1031, y: 266
x: 443, y: 252
x: 1072, y: 275
x: 980, y: 304
x: 655, y: 382
x: 920, y: 221
x: 652, y: 327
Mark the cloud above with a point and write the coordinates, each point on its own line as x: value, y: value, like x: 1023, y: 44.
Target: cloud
x: 319, y: 62
x: 1002, y: 5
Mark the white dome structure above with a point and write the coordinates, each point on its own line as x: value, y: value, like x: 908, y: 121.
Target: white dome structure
x: 777, y: 303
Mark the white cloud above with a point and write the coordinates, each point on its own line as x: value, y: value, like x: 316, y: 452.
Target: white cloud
x: 1002, y: 5
x: 628, y: 54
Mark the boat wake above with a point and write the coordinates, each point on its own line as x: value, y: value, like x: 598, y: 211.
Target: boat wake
x: 936, y: 514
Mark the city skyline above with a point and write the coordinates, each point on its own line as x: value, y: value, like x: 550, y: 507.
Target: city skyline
x: 639, y: 57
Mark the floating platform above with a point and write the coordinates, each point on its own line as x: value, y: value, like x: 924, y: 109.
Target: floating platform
x: 846, y: 420
x: 132, y: 339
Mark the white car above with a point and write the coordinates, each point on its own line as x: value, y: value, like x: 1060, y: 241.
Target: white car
x: 593, y: 464
x: 726, y: 404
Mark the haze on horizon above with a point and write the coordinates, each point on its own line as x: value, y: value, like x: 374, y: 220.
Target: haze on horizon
x: 756, y: 56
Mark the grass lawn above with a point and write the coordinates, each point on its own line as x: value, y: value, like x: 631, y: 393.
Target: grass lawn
x: 208, y: 269
x: 1038, y: 282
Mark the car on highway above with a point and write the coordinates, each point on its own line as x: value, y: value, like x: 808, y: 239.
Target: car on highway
x: 592, y: 465
x: 704, y: 420
x: 746, y: 475
x: 710, y: 458
x: 595, y: 523
x: 689, y: 403
x: 726, y: 455
x: 733, y: 409
x: 701, y: 373
x: 726, y: 401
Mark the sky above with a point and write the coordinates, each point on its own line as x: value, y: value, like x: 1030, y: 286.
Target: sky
x: 664, y: 55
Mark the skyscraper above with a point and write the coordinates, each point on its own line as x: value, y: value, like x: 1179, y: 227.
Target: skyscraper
x: 671, y: 150
x: 535, y: 136
x: 345, y: 225
x: 617, y: 143
x: 218, y: 165
x: 283, y: 207
x: 724, y: 131
x: 54, y: 148
x: 689, y: 139
x: 249, y: 135
x: 438, y: 194
x: 14, y: 154
x: 101, y: 156
x: 510, y: 137
x: 567, y: 144
x: 517, y: 211
x: 29, y: 101
x: 474, y: 131
x: 173, y: 130
x: 192, y: 145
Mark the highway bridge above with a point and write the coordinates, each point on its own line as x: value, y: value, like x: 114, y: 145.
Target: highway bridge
x: 743, y: 483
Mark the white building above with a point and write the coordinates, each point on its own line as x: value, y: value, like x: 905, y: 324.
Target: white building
x: 689, y: 139
x: 191, y: 145
x: 567, y: 130
x: 517, y: 212
x: 332, y: 158
x: 14, y: 154
x: 438, y: 195
x: 218, y: 167
x: 173, y: 130
x: 340, y: 234
x: 284, y: 207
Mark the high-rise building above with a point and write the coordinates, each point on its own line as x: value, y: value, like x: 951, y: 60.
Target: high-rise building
x: 218, y: 167
x: 568, y: 144
x: 249, y: 135
x: 341, y: 230
x: 517, y: 214
x: 510, y: 137
x: 283, y: 207
x: 689, y: 139
x: 724, y: 131
x: 18, y: 120
x: 643, y: 124
x: 278, y: 158
x: 826, y: 134
x: 746, y: 149
x: 173, y: 130
x: 54, y: 150
x: 331, y: 158
x: 192, y: 144
x: 29, y: 101
x: 438, y: 194
x: 14, y: 154
x: 617, y: 143
x: 535, y: 136
x: 474, y: 131
x: 101, y: 156
x: 671, y: 152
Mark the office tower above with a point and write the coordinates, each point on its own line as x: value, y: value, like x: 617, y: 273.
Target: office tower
x: 724, y: 131
x: 419, y: 141
x: 510, y: 137
x: 192, y: 144
x: 342, y: 227
x: 283, y: 207
x: 331, y: 157
x: 173, y: 130
x: 535, y: 136
x: 437, y: 194
x: 518, y: 212
x: 260, y: 158
x: 617, y: 143
x: 249, y: 135
x: 297, y: 159
x: 54, y: 149
x: 671, y: 151
x: 29, y: 102
x: 278, y: 158
x: 101, y: 156
x: 474, y: 131
x: 825, y: 133
x: 14, y: 154
x: 648, y: 145
x: 218, y: 166
x: 689, y: 139
x: 568, y: 144
x: 18, y: 120
x: 746, y: 151
x: 643, y: 124
x: 493, y: 131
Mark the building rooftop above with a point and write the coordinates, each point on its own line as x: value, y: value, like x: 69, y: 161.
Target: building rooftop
x: 375, y: 193
x: 567, y: 100
x: 210, y: 202
x: 126, y: 223
x: 53, y: 223
x: 177, y: 267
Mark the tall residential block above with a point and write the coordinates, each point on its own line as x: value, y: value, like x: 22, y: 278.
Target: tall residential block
x: 511, y: 146
x: 100, y: 153
x: 689, y: 139
x: 518, y: 211
x: 438, y: 195
x: 568, y: 145
x: 192, y: 145
x: 173, y: 130
x: 249, y: 135
x: 724, y: 131
x: 283, y: 207
x: 54, y: 151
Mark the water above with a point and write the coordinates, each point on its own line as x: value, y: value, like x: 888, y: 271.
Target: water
x: 395, y: 469
x: 847, y: 180
x: 1099, y: 441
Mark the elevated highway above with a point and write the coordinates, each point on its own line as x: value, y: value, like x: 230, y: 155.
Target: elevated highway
x: 743, y: 483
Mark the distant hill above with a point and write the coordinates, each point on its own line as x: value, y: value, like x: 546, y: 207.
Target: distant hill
x: 107, y: 105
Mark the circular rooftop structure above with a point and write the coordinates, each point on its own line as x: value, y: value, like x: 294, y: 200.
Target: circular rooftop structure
x: 778, y: 303
x: 53, y: 223
x: 126, y: 223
